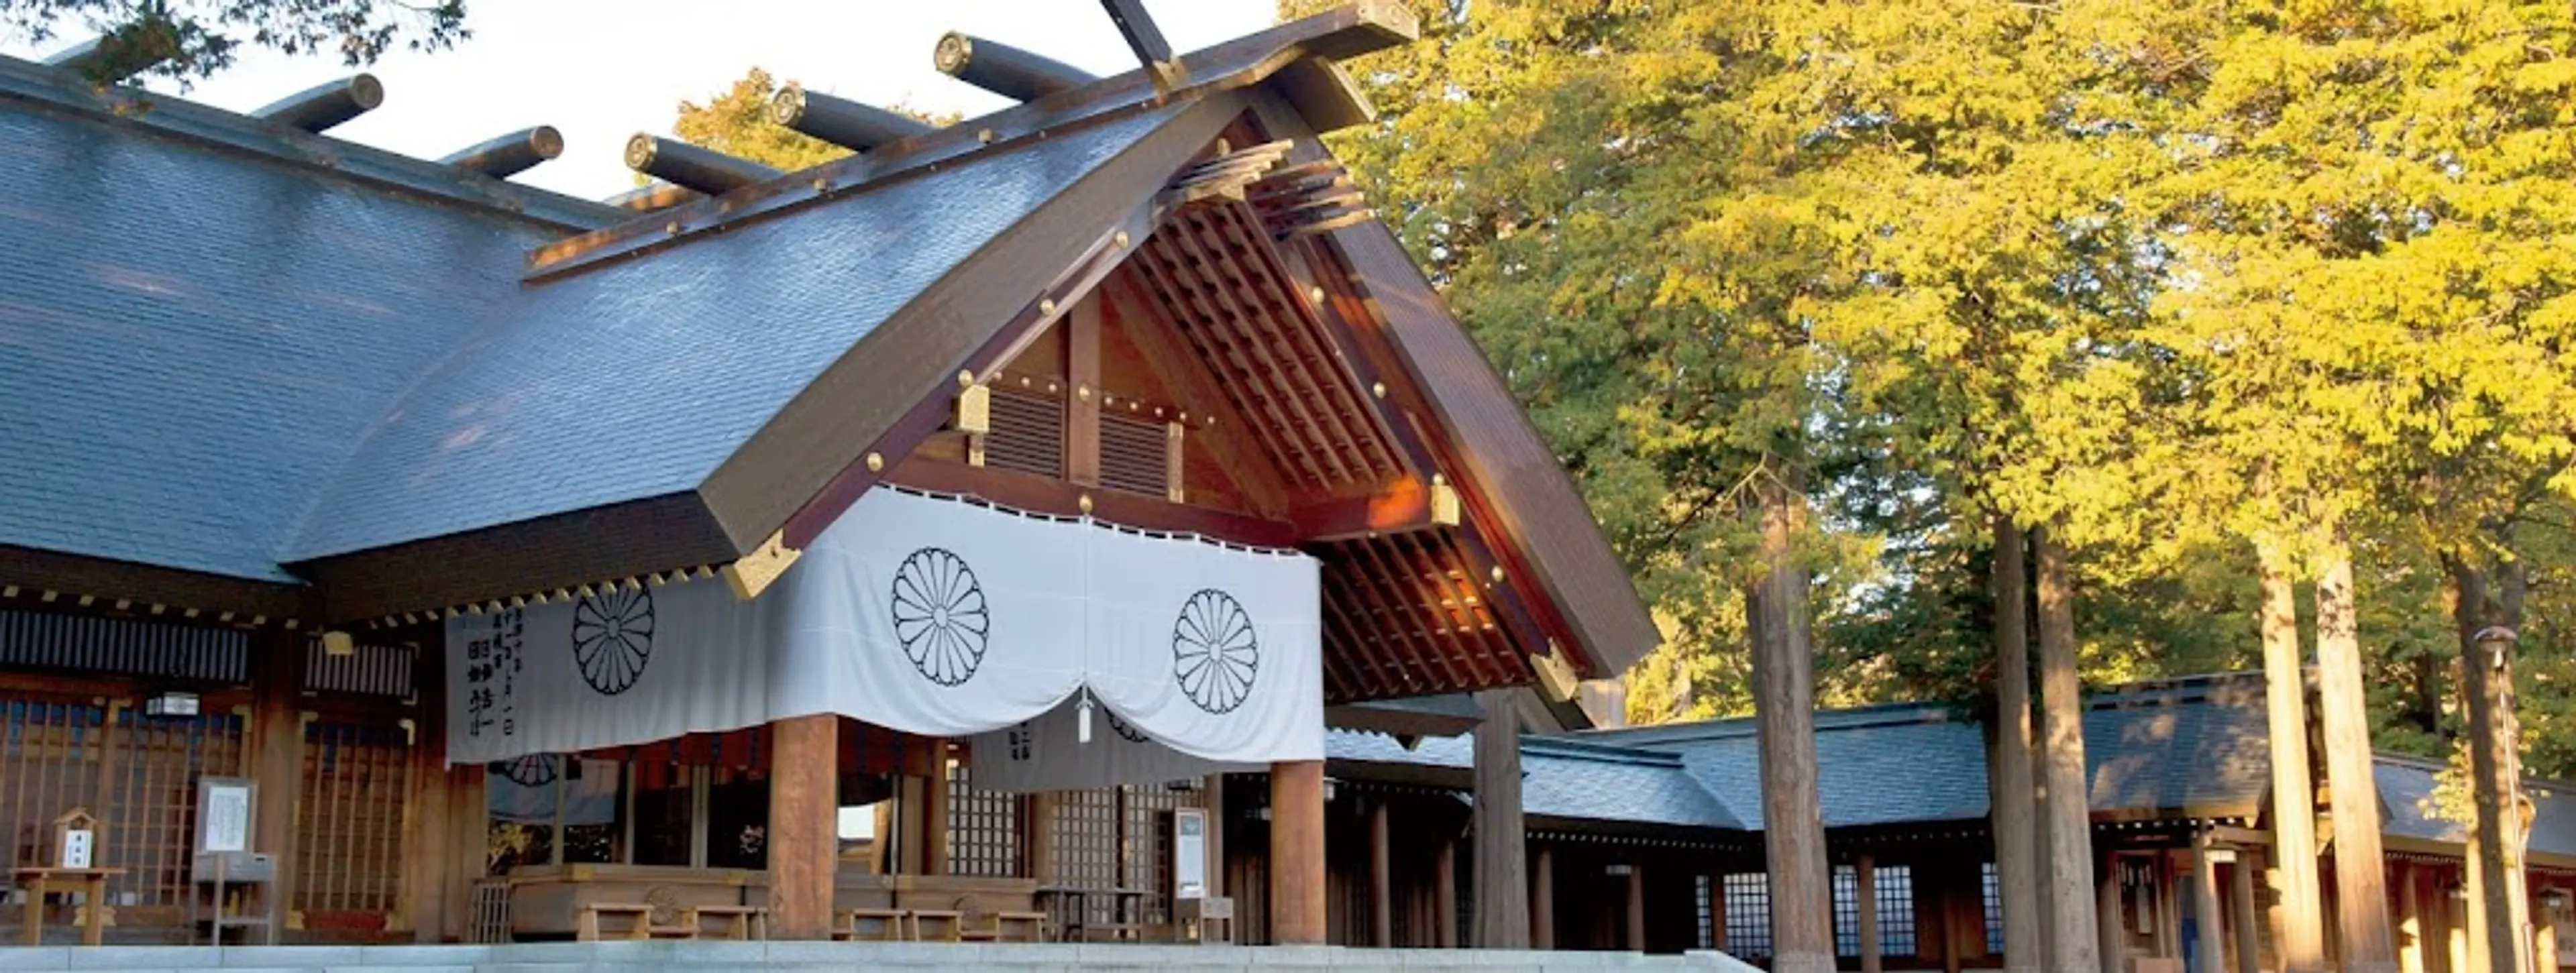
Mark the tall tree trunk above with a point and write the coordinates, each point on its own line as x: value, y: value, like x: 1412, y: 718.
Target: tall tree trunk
x: 2013, y: 805
x: 2368, y: 940
x: 2294, y: 821
x: 2072, y: 946
x: 2499, y: 917
x: 1784, y: 708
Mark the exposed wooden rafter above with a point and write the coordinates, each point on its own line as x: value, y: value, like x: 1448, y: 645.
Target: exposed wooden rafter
x: 1314, y: 197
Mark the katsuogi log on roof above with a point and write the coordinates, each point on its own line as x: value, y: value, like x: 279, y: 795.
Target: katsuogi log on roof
x: 1005, y: 70
x: 328, y: 104
x: 840, y: 121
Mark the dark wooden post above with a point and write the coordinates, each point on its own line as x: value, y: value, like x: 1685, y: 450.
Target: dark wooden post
x: 2109, y: 922
x: 1381, y: 879
x: 2294, y: 823
x: 1865, y: 902
x: 469, y: 848
x: 2209, y: 954
x: 934, y: 812
x: 2366, y: 944
x: 425, y: 853
x: 1444, y: 895
x: 1543, y: 899
x: 1082, y: 408
x: 2014, y: 794
x: 277, y: 736
x: 803, y: 843
x: 1784, y: 719
x: 1297, y: 853
x: 1214, y: 793
x: 1637, y: 907
x: 1040, y: 827
x: 2072, y: 929
x: 1717, y: 906
x: 1502, y: 889
x: 2249, y: 937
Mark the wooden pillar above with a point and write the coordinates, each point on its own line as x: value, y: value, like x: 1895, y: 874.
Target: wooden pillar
x: 426, y: 855
x: 2068, y: 821
x: 1542, y: 899
x: 803, y: 804
x: 1082, y: 408
x: 1040, y: 826
x: 2014, y: 793
x: 1502, y: 887
x: 1297, y: 853
x: 934, y: 811
x: 1381, y: 879
x: 2412, y: 940
x: 2209, y: 948
x: 1637, y: 907
x: 2544, y: 933
x: 1213, y: 792
x: 2111, y: 935
x: 277, y: 762
x: 2249, y: 939
x: 1953, y: 943
x: 1865, y: 902
x: 2366, y: 944
x: 1444, y: 895
x: 1717, y: 906
x: 469, y: 848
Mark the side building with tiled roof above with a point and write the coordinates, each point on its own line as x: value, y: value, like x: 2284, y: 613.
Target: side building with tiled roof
x: 1675, y: 811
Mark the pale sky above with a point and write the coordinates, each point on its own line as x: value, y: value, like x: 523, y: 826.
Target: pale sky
x: 601, y: 70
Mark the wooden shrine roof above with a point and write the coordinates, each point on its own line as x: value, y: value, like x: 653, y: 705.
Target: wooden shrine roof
x: 273, y: 372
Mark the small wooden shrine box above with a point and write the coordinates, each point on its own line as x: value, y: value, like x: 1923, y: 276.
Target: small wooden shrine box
x: 75, y: 842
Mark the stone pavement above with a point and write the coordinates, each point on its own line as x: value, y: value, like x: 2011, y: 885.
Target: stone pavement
x: 650, y: 957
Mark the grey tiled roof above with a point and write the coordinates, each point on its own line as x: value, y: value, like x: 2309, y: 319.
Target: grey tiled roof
x: 2191, y: 745
x: 636, y: 379
x: 191, y: 340
x: 2204, y: 747
x: 223, y: 362
x: 2406, y: 786
x: 1564, y: 779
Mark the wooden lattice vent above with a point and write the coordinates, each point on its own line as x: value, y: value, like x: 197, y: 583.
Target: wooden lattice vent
x: 1027, y: 430
x: 1227, y: 176
x: 1315, y: 197
x: 1138, y: 455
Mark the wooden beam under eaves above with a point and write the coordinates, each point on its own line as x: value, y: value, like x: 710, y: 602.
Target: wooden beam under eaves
x: 1408, y: 504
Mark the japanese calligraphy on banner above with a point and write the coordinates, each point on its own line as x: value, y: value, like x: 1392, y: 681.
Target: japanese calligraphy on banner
x: 924, y: 615
x: 1050, y: 754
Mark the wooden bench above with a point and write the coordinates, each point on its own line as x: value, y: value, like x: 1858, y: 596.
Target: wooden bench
x: 890, y: 924
x: 952, y: 921
x: 742, y: 921
x: 978, y: 924
x: 586, y: 926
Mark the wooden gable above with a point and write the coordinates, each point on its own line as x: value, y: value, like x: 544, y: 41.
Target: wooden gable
x: 1207, y: 383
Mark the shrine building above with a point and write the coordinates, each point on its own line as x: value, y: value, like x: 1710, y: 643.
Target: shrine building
x: 971, y: 538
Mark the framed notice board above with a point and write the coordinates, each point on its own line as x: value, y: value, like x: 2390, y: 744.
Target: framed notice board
x: 226, y: 807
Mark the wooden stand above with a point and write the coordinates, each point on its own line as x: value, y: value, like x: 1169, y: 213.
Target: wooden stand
x: 90, y: 882
x: 216, y: 869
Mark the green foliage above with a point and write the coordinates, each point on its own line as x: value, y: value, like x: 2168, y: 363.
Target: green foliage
x: 737, y: 123
x: 195, y: 38
x: 2175, y: 279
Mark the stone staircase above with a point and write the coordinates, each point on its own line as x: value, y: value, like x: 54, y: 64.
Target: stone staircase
x: 815, y: 956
